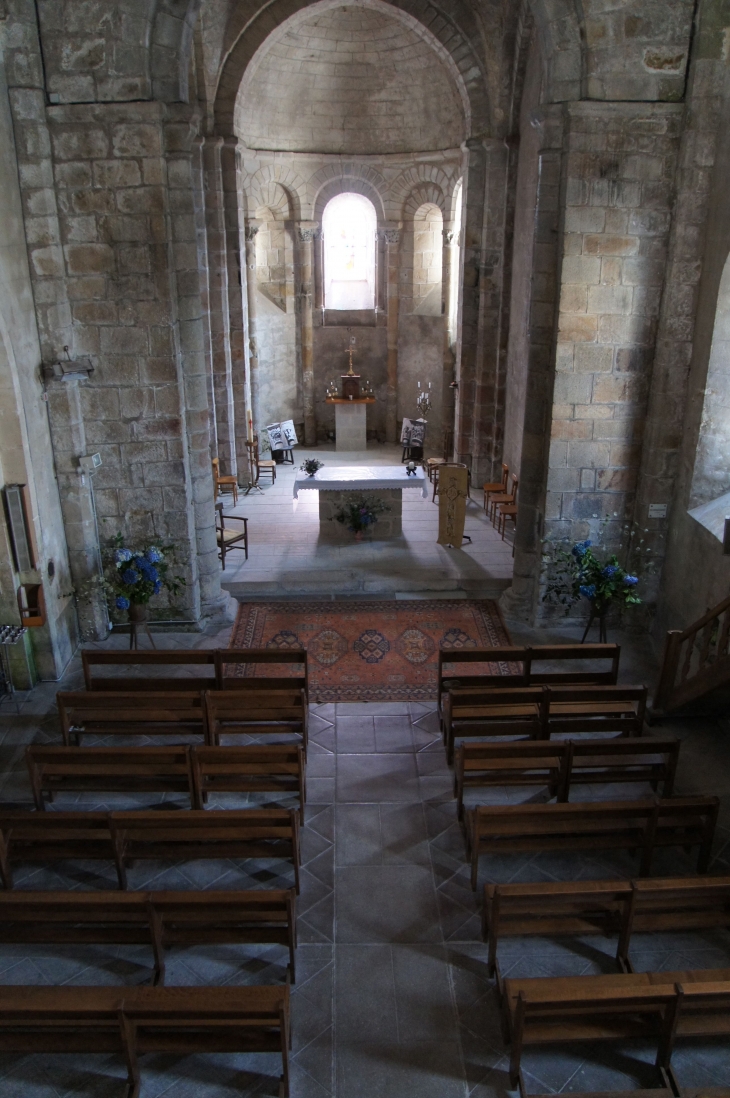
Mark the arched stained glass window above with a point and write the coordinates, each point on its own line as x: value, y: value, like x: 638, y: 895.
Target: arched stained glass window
x: 349, y: 226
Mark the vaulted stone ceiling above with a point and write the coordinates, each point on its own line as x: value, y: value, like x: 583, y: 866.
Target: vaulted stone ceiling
x: 350, y: 80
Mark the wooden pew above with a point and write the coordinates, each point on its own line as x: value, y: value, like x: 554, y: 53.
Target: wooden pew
x: 122, y: 837
x: 595, y: 709
x: 225, y: 658
x: 514, y: 711
x: 559, y: 763
x: 661, y: 1006
x: 485, y: 765
x: 203, y: 669
x: 526, y: 666
x: 199, y: 665
x: 134, y: 1020
x: 607, y: 825
x: 108, y: 770
x: 130, y: 713
x: 46, y: 837
x: 229, y: 833
x: 270, y: 769
x: 630, y: 759
x: 159, y: 919
x: 263, y: 712
x: 195, y: 771
x: 576, y: 908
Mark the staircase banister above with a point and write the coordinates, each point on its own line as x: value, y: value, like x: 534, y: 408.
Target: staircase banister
x: 704, y: 620
x: 668, y: 673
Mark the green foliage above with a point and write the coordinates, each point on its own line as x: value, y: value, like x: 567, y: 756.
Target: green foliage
x: 580, y: 574
x: 359, y: 513
x: 134, y: 576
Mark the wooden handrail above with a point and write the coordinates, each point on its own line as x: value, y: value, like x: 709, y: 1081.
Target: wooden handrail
x: 696, y: 660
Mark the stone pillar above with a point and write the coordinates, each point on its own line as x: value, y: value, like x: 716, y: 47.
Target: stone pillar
x: 308, y: 232
x: 251, y: 228
x: 447, y: 400
x: 522, y: 598
x: 391, y: 236
x: 235, y: 261
x: 222, y: 410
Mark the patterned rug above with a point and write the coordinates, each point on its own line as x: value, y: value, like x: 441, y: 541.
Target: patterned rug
x: 370, y: 651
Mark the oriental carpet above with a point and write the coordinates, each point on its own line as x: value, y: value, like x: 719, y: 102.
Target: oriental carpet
x: 371, y: 651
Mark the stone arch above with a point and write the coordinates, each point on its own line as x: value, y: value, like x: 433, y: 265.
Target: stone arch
x: 560, y: 27
x: 273, y: 185
x: 429, y: 177
x: 455, y: 48
x: 171, y: 42
x: 423, y: 195
x: 331, y: 181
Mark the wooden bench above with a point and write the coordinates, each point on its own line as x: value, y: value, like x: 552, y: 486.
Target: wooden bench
x: 122, y: 837
x: 570, y: 908
x: 597, y: 709
x: 195, y: 771
x: 45, y: 837
x: 661, y: 1006
x: 607, y: 825
x: 251, y: 658
x: 201, y: 669
x: 258, y: 712
x: 563, y: 710
x: 558, y: 764
x: 513, y: 711
x: 229, y: 833
x: 526, y: 666
x: 197, y: 667
x: 134, y: 1020
x: 272, y: 769
x: 108, y: 770
x: 130, y: 713
x: 158, y: 919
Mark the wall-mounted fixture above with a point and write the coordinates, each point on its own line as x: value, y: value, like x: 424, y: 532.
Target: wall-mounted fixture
x: 69, y: 369
x: 18, y: 525
x: 90, y: 463
x: 31, y: 604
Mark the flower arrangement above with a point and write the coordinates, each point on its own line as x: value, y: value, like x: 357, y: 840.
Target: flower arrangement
x: 311, y: 465
x: 132, y: 577
x: 359, y: 513
x: 601, y: 582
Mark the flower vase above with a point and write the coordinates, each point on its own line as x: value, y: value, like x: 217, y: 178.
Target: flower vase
x: 138, y: 615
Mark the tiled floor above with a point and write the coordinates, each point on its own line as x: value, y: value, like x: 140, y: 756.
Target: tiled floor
x: 287, y: 557
x: 392, y: 998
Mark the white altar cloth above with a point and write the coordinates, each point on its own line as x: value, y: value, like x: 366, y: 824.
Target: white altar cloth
x: 345, y: 478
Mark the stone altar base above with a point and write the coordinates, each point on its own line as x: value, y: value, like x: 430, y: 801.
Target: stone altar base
x: 389, y: 524
x: 351, y: 426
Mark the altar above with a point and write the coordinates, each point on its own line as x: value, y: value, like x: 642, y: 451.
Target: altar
x: 337, y: 484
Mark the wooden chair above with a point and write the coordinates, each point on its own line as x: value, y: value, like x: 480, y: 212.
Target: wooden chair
x: 496, y: 487
x: 506, y: 497
x: 607, y: 825
x: 506, y: 511
x: 434, y: 462
x: 157, y: 919
x: 229, y: 539
x: 224, y: 481
x: 277, y: 768
x: 259, y: 467
x: 133, y: 1020
x: 130, y: 713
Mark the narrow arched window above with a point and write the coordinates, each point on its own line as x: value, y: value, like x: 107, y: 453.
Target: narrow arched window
x: 348, y: 228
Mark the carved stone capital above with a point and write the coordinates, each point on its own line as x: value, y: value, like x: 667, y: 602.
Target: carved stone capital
x: 390, y: 236
x: 250, y: 232
x: 449, y: 236
x: 307, y: 234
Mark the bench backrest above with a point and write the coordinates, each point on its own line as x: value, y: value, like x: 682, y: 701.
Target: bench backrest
x: 526, y: 665
x: 204, y: 669
x: 100, y: 712
x: 230, y: 660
